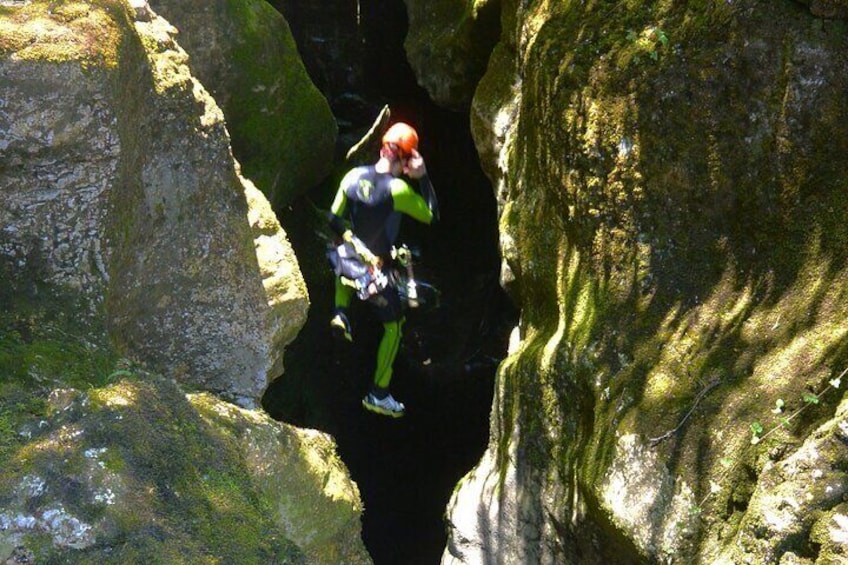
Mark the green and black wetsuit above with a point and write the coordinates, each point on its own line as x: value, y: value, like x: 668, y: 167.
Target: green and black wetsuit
x: 374, y: 203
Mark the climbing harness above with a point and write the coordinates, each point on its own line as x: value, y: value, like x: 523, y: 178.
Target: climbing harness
x: 370, y: 280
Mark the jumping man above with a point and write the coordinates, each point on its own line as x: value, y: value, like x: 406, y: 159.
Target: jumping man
x: 373, y: 198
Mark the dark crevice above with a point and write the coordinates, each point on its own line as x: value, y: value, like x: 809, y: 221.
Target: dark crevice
x: 406, y: 469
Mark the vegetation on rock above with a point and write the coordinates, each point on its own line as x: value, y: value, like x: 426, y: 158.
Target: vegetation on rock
x: 104, y: 462
x: 124, y: 217
x: 47, y: 30
x: 673, y: 222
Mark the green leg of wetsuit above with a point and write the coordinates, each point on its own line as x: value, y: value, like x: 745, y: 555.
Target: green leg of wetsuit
x: 344, y: 294
x: 386, y: 353
x: 340, y: 323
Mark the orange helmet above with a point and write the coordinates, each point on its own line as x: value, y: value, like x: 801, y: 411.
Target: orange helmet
x: 403, y: 136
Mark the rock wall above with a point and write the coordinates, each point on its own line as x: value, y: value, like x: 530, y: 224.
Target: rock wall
x: 330, y: 39
x: 136, y: 470
x: 448, y: 46
x: 671, y: 183
x: 118, y: 180
x: 136, y: 263
x: 244, y: 54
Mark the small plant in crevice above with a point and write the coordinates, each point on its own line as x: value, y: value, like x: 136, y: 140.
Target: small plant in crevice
x: 649, y: 41
x: 758, y: 432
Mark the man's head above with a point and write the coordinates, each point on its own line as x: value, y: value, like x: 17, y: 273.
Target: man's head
x: 400, y: 142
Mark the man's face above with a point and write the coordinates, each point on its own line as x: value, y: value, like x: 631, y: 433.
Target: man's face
x: 393, y: 153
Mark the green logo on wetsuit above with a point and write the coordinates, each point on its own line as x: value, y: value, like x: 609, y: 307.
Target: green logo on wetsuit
x: 365, y: 187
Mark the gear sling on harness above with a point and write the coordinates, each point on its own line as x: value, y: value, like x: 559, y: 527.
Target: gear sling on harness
x: 368, y: 280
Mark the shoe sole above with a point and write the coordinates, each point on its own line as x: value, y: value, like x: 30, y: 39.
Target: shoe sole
x: 340, y: 332
x: 381, y: 410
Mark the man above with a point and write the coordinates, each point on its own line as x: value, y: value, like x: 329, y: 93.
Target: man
x: 373, y: 198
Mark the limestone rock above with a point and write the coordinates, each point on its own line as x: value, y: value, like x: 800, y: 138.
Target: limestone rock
x: 283, y: 132
x: 801, y: 495
x: 138, y: 471
x: 670, y: 183
x: 128, y: 231
x: 118, y: 181
x: 448, y: 45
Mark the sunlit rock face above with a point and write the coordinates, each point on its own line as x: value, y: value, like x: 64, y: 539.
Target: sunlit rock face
x: 137, y: 470
x: 136, y: 264
x: 244, y: 54
x: 671, y: 184
x: 118, y: 181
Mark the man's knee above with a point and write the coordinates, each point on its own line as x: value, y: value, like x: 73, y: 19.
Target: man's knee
x: 392, y: 327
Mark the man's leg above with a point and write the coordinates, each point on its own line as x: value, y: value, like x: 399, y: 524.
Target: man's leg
x: 386, y: 353
x: 340, y: 323
x: 379, y: 399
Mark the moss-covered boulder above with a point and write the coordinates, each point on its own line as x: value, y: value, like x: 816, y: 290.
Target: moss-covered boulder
x: 448, y: 46
x: 128, y: 232
x: 118, y: 181
x: 242, y: 51
x: 103, y: 462
x: 671, y: 180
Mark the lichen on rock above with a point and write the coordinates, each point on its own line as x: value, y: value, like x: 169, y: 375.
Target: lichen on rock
x: 138, y: 264
x: 672, y: 217
x: 120, y: 182
x: 136, y: 469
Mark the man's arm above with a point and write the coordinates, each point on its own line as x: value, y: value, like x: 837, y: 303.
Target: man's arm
x: 339, y: 206
x: 416, y: 169
x: 406, y: 200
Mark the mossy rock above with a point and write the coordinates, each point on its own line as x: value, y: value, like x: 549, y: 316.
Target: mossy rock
x: 136, y: 470
x: 283, y: 131
x: 673, y: 220
x: 448, y: 46
x: 64, y: 31
x: 105, y: 462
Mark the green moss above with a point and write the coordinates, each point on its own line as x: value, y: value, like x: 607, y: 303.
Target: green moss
x: 50, y: 342
x: 185, y: 494
x: 76, y: 416
x: 62, y: 31
x: 699, y: 196
x: 274, y: 95
x: 8, y: 433
x: 48, y: 339
x: 199, y: 480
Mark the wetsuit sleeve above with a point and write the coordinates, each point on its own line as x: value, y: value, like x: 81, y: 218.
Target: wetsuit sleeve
x: 339, y: 206
x: 409, y: 202
x: 429, y: 194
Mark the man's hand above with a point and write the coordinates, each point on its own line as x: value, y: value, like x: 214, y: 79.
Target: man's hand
x: 370, y: 258
x: 414, y: 167
x: 361, y: 249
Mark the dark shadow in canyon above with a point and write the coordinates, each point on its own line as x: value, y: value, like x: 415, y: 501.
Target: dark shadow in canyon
x: 406, y: 469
